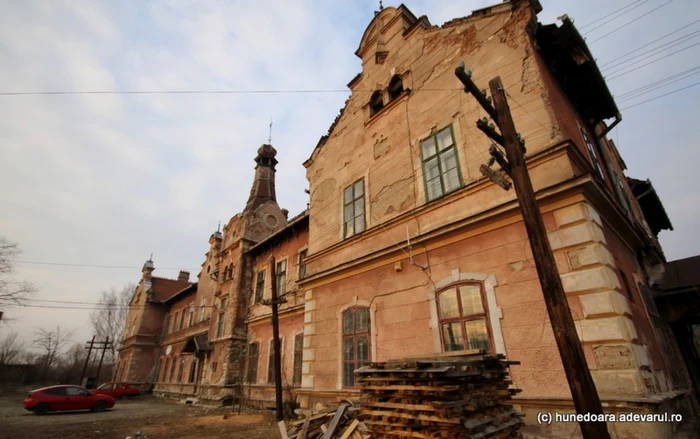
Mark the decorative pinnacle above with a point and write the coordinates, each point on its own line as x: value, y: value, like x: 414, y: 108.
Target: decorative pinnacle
x: 381, y: 6
x: 269, y: 139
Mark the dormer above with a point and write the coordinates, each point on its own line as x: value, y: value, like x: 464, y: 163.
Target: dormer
x: 386, y: 23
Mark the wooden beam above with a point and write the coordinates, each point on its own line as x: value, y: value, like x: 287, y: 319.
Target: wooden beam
x: 283, y: 430
x: 334, y: 423
x: 350, y: 429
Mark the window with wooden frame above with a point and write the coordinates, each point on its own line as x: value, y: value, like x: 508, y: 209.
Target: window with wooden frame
x: 181, y: 370
x: 354, y: 209
x: 172, y: 370
x: 592, y: 153
x: 167, y: 323
x: 253, y: 356
x: 221, y: 319
x: 302, y: 264
x: 395, y: 87
x: 190, y: 316
x: 182, y: 320
x: 174, y: 328
x: 281, y: 274
x: 202, y: 308
x: 626, y: 285
x: 298, y: 355
x: 271, y: 363
x: 213, y: 366
x: 163, y: 373
x: 193, y: 370
x: 463, y: 318
x: 441, y: 172
x: 260, y: 286
x: 623, y: 194
x: 355, y: 342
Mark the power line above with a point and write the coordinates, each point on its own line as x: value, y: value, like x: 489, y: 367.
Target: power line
x: 649, y: 43
x: 630, y: 22
x: 61, y: 264
x: 606, y: 16
x: 614, y: 18
x: 194, y: 92
x: 616, y: 74
x: 661, y: 96
x: 672, y: 43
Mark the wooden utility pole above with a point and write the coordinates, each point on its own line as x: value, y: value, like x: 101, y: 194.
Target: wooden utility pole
x: 99, y: 366
x: 277, y: 360
x: 581, y: 383
x: 87, y: 359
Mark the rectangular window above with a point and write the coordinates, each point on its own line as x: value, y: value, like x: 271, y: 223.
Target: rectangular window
x: 175, y: 320
x: 221, y: 322
x: 281, y: 273
x: 355, y: 343
x: 167, y: 323
x: 172, y: 370
x: 623, y: 194
x: 354, y: 209
x: 271, y: 363
x: 626, y: 285
x: 213, y: 367
x: 202, y: 307
x: 260, y: 286
x: 440, y: 165
x: 182, y: 320
x: 302, y: 264
x: 181, y: 370
x: 190, y: 318
x: 253, y: 355
x: 298, y: 355
x: 462, y: 317
x: 591, y: 152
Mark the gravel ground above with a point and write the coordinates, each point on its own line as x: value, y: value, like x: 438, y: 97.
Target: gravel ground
x: 156, y: 418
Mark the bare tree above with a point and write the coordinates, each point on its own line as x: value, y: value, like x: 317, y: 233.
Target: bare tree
x: 71, y: 364
x: 12, y: 292
x: 11, y: 349
x: 51, y: 344
x: 110, y: 317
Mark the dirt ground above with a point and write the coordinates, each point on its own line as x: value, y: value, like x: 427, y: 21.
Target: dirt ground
x: 156, y: 418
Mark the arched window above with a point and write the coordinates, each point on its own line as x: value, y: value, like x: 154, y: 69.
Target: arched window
x: 181, y: 370
x: 253, y: 355
x: 164, y: 372
x: 355, y: 342
x: 395, y: 87
x: 376, y: 103
x: 463, y: 318
x: 172, y: 370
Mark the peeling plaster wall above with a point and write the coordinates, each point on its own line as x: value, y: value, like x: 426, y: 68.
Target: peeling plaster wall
x: 385, y: 149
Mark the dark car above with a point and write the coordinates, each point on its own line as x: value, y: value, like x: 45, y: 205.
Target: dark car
x: 117, y: 390
x: 60, y: 398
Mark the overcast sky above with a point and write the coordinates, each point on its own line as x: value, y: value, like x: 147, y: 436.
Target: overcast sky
x: 108, y: 179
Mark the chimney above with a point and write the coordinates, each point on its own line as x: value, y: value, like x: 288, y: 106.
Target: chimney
x: 184, y: 276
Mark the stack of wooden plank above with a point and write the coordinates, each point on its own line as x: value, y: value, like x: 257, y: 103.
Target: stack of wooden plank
x: 451, y: 395
x: 341, y: 422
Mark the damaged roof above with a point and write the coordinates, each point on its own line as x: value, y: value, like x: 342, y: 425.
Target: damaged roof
x: 571, y: 62
x: 179, y: 292
x: 652, y: 208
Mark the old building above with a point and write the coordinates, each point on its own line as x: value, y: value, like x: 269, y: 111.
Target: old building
x: 407, y: 249
x: 402, y: 162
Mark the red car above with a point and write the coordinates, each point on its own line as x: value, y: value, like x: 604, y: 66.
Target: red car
x: 117, y: 390
x: 60, y: 398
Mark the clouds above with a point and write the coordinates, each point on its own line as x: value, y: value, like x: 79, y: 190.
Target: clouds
x: 107, y: 179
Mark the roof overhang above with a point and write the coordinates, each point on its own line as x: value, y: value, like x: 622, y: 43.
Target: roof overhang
x: 652, y: 208
x: 572, y: 64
